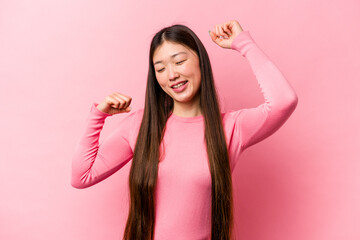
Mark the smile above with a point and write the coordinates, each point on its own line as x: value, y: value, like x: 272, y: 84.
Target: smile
x: 180, y: 87
x: 180, y: 84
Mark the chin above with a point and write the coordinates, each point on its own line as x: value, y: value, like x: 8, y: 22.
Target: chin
x: 183, y: 100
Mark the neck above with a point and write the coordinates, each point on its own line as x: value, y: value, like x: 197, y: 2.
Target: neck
x: 188, y: 109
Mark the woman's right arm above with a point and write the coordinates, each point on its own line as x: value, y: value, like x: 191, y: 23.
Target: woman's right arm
x: 93, y: 162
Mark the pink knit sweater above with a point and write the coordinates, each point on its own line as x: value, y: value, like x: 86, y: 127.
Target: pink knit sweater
x: 183, y: 207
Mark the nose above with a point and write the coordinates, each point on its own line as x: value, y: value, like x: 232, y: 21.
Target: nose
x: 173, y: 74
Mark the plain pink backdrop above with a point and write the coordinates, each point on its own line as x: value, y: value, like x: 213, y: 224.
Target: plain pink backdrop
x: 57, y: 57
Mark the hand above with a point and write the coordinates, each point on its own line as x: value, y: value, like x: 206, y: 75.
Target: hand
x: 224, y: 34
x: 115, y: 103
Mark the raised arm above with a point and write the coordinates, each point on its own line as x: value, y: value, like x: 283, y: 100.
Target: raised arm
x: 256, y: 124
x: 91, y: 162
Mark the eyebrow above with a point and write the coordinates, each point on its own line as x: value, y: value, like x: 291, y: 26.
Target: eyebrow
x: 174, y: 55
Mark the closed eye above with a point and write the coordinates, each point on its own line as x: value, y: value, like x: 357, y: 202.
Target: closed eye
x: 179, y: 63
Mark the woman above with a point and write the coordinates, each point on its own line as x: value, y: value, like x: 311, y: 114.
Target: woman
x: 183, y: 149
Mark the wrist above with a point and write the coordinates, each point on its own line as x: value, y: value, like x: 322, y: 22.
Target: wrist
x: 242, y: 42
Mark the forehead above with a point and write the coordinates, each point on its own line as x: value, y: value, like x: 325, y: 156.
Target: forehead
x: 167, y: 49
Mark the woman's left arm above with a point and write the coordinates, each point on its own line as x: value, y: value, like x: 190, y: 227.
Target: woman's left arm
x: 256, y: 124
x: 280, y: 98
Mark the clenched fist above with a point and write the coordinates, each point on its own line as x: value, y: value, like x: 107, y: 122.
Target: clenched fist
x: 115, y: 103
x: 224, y: 34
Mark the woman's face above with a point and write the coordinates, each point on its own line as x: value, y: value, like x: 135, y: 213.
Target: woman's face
x: 173, y: 64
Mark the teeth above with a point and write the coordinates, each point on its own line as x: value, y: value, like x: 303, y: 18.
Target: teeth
x: 178, y: 85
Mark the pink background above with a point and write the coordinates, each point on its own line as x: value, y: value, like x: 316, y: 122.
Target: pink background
x: 57, y: 57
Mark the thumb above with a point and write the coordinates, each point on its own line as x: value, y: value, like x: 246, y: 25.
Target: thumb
x: 128, y: 109
x: 123, y: 110
x: 212, y: 35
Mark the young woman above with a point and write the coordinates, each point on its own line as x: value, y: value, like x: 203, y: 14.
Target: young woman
x: 183, y: 149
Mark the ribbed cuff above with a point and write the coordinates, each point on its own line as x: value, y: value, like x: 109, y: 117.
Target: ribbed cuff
x: 243, y: 42
x: 96, y: 111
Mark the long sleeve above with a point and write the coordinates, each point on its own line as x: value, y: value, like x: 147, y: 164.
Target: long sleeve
x: 93, y: 162
x: 255, y: 124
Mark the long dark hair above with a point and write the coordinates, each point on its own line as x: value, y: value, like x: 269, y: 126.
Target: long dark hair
x: 144, y: 168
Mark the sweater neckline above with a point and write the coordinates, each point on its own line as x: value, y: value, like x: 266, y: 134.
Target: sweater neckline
x: 186, y: 119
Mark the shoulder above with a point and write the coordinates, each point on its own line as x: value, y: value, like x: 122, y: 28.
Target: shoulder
x: 232, y: 119
x: 232, y: 114
x: 136, y: 112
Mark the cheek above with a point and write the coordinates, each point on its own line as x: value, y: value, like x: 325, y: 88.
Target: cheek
x: 196, y: 73
x: 193, y: 68
x: 158, y: 78
x: 190, y: 70
x: 161, y: 81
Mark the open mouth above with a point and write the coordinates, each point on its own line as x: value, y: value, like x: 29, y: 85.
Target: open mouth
x: 179, y: 85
